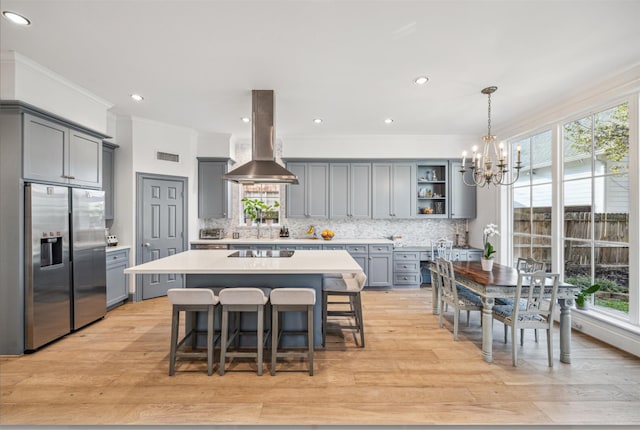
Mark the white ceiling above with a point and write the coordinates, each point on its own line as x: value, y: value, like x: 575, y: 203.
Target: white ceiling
x: 351, y: 63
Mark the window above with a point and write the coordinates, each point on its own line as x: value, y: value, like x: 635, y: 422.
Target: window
x: 269, y: 195
x: 531, y: 197
x: 596, y: 206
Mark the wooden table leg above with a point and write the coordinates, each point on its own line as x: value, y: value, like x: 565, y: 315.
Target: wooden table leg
x: 487, y: 329
x: 565, y: 330
x: 435, y: 299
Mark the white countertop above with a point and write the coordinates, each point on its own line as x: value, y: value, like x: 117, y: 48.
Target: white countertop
x: 291, y: 241
x: 218, y: 262
x: 117, y: 248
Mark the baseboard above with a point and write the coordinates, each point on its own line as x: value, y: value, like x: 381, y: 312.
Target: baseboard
x: 616, y: 333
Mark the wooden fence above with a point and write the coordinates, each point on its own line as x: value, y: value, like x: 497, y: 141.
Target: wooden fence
x: 612, y: 228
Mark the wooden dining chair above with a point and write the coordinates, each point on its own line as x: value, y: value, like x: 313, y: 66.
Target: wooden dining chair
x: 534, y: 310
x: 450, y: 294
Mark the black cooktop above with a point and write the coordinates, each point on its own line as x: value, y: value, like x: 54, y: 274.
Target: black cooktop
x: 261, y: 253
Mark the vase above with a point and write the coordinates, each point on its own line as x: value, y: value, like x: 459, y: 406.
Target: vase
x: 584, y: 307
x: 487, y: 264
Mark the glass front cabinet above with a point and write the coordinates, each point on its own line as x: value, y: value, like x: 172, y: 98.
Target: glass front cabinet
x: 431, y: 189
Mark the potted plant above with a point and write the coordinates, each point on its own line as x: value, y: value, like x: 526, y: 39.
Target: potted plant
x: 251, y: 209
x: 269, y: 212
x: 487, y: 256
x: 256, y: 209
x: 582, y: 301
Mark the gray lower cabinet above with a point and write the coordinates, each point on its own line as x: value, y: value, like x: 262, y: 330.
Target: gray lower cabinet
x: 393, y: 190
x: 406, y: 268
x: 309, y: 247
x: 213, y: 190
x: 55, y: 153
x: 380, y: 266
x: 117, y: 281
x: 458, y: 254
x: 108, y: 176
x: 474, y: 255
x: 360, y: 253
x: 350, y: 190
x: 309, y: 198
x: 331, y: 247
x: 462, y: 198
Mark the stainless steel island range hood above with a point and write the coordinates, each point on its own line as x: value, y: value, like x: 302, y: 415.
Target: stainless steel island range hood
x: 262, y: 168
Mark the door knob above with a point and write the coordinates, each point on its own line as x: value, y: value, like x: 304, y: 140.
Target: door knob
x: 147, y: 244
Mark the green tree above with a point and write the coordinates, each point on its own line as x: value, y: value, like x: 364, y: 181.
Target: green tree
x: 610, y: 136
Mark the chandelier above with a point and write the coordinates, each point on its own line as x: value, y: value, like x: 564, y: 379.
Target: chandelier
x: 489, y: 167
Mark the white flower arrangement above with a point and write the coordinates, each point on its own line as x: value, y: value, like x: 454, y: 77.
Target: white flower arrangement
x: 490, y: 230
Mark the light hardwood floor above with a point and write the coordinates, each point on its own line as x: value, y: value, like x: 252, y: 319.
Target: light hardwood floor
x: 411, y: 372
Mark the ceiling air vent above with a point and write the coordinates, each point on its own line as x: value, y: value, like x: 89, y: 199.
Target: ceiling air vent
x: 165, y: 156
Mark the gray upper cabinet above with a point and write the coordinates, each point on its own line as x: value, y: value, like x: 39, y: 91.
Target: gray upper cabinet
x: 213, y: 190
x: 462, y: 197
x: 85, y: 160
x: 45, y: 144
x: 309, y: 198
x: 350, y: 190
x: 432, y: 189
x: 296, y: 207
x: 393, y: 190
x: 55, y: 153
x: 108, y: 176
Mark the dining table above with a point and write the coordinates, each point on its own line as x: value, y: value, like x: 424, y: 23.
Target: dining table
x: 501, y: 282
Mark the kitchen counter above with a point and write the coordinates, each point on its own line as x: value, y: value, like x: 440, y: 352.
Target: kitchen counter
x: 219, y: 262
x: 117, y: 248
x: 214, y: 268
x: 292, y: 241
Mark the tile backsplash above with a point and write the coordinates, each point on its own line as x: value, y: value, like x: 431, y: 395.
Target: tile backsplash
x: 413, y: 232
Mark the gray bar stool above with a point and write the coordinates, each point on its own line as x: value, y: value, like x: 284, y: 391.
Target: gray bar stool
x: 291, y: 299
x: 191, y: 301
x: 347, y: 285
x: 242, y: 300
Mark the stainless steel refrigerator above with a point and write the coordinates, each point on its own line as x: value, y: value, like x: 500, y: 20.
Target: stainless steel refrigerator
x: 65, y: 266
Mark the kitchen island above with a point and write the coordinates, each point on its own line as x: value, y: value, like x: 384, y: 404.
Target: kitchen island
x: 219, y: 269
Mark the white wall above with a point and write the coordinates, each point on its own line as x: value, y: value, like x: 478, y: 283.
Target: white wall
x: 377, y: 146
x: 25, y: 80
x: 140, y: 139
x: 214, y: 145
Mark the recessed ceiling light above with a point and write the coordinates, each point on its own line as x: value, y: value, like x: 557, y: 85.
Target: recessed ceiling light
x: 16, y: 18
x: 421, y: 80
x: 318, y: 120
x: 137, y: 97
x: 388, y: 121
x: 245, y: 119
